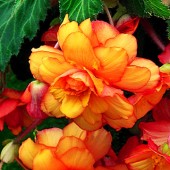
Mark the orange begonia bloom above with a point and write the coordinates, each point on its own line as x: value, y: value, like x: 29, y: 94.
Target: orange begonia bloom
x: 69, y: 149
x: 88, y: 75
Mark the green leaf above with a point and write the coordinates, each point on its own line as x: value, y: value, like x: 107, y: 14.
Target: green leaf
x: 157, y: 8
x: 147, y: 8
x: 168, y: 28
x: 19, y: 19
x: 111, y: 3
x: 11, y: 166
x: 80, y: 10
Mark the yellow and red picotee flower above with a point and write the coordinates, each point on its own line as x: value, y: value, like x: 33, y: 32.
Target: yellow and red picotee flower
x: 88, y: 75
x: 67, y: 149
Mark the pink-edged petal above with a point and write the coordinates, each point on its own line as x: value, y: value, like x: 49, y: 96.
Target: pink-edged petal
x: 82, y: 123
x: 46, y: 159
x: 1, y: 124
x: 79, y: 53
x: 125, y: 41
x: 65, y: 30
x: 118, y: 107
x: 74, y: 130
x: 97, y: 104
x: 121, y: 122
x: 7, y: 106
x: 113, y: 62
x: 157, y: 131
x: 134, y: 78
x: 49, y: 137
x: 154, y: 70
x: 104, y: 31
x: 67, y: 143
x: 78, y: 159
x: 98, y: 148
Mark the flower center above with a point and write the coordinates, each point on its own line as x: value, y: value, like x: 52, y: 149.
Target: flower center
x: 157, y: 160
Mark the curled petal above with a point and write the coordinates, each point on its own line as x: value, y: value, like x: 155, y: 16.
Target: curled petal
x: 78, y: 158
x: 27, y: 152
x: 98, y: 148
x: 80, y: 53
x: 65, y: 30
x: 49, y: 137
x: 134, y: 78
x: 74, y: 130
x: 45, y: 159
x: 104, y: 31
x: 113, y: 61
x: 125, y: 41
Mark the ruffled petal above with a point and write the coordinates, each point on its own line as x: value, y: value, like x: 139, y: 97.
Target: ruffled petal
x: 97, y: 104
x: 134, y: 78
x: 74, y: 130
x: 67, y: 143
x: 80, y: 53
x: 113, y: 62
x: 98, y: 148
x: 154, y: 70
x: 45, y: 159
x: 81, y: 122
x: 78, y: 159
x: 118, y: 107
x: 104, y: 31
x: 121, y: 122
x: 86, y: 28
x: 49, y: 137
x: 51, y: 106
x: 27, y: 152
x: 65, y: 30
x: 72, y: 106
x: 125, y: 41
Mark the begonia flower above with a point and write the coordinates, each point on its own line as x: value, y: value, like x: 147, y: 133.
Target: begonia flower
x: 70, y: 148
x: 12, y: 111
x: 89, y: 74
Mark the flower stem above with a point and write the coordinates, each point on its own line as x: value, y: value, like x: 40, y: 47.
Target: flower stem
x: 34, y: 124
x: 151, y: 32
x: 108, y: 14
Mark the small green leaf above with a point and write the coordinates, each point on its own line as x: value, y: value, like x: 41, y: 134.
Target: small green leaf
x: 111, y: 3
x: 157, y: 8
x: 168, y: 28
x: 19, y: 19
x: 80, y: 10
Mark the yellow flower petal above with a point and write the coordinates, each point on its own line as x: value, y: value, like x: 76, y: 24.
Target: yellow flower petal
x: 118, y: 107
x: 77, y: 158
x: 98, y: 143
x: 113, y: 62
x: 49, y: 137
x: 65, y: 30
x: 67, y: 143
x: 125, y: 41
x: 71, y: 106
x: 74, y: 130
x: 79, y: 53
x: 27, y: 152
x: 46, y: 160
x: 134, y: 78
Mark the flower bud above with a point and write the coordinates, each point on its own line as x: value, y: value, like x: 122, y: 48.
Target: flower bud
x: 9, y: 152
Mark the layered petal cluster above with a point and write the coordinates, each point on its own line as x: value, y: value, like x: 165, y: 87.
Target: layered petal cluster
x: 12, y: 111
x: 88, y: 75
x: 69, y: 149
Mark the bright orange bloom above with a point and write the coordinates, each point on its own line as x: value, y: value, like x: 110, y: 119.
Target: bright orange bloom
x: 88, y: 76
x: 12, y: 111
x: 69, y: 149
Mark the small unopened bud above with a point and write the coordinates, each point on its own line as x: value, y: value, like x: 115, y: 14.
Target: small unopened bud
x: 165, y: 68
x: 9, y: 152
